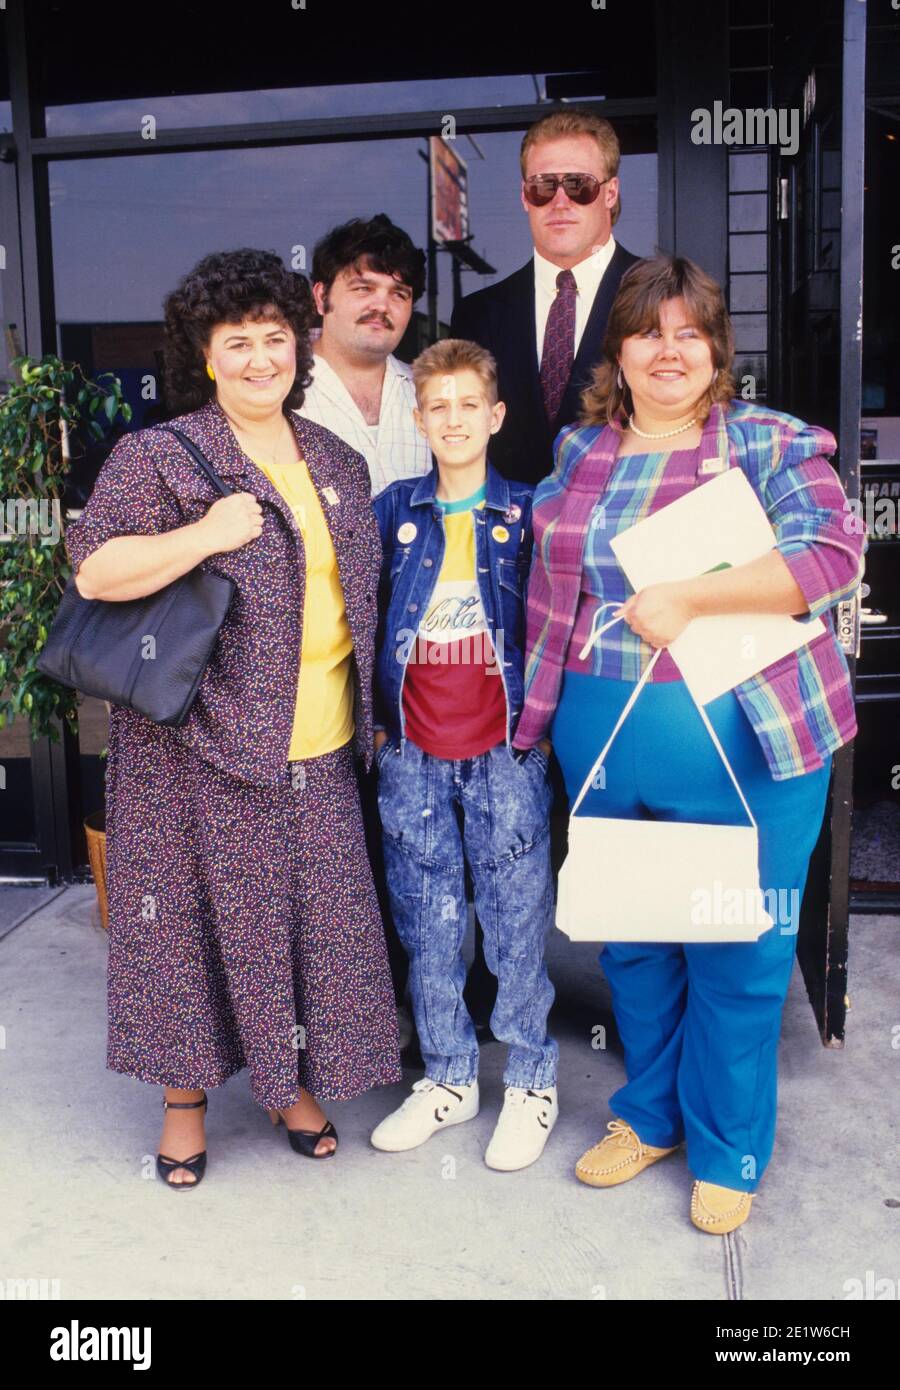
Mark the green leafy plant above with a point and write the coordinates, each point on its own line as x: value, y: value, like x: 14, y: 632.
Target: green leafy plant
x: 46, y: 420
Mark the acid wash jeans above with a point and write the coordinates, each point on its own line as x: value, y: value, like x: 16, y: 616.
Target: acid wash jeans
x: 492, y: 813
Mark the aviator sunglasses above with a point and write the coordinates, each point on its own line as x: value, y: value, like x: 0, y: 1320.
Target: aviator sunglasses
x: 540, y: 189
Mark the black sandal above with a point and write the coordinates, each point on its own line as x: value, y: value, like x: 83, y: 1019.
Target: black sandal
x: 196, y: 1164
x: 304, y: 1141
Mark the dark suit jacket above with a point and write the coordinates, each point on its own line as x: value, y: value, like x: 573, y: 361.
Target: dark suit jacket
x: 501, y: 319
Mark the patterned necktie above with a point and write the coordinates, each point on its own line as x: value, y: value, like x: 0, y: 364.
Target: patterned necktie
x: 559, y: 344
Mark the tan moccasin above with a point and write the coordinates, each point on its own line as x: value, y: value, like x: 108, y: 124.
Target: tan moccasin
x: 719, y: 1210
x: 617, y: 1158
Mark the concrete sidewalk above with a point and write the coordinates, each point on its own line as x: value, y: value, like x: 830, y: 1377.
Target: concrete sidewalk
x: 82, y: 1205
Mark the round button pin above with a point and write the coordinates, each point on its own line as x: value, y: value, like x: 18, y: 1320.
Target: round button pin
x: 407, y: 532
x: 500, y: 533
x: 512, y: 513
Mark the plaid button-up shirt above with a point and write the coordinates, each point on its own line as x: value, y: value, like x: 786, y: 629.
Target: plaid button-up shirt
x: 801, y: 707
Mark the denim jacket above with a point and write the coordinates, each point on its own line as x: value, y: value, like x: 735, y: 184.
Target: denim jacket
x: 412, y: 538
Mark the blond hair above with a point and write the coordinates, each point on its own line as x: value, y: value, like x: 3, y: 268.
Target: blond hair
x: 573, y: 121
x: 450, y: 355
x: 643, y: 288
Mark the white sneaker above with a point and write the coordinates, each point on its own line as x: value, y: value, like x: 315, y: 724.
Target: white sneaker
x: 433, y: 1105
x: 523, y: 1128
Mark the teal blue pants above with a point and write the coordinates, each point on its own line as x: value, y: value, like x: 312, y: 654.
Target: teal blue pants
x: 699, y: 1023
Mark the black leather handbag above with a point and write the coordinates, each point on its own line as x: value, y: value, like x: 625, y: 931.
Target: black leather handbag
x: 101, y: 646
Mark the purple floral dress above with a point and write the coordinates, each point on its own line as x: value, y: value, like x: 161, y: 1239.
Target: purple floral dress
x: 244, y: 924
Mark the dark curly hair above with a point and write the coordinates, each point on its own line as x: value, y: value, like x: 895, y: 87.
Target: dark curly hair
x: 228, y: 287
x: 378, y: 243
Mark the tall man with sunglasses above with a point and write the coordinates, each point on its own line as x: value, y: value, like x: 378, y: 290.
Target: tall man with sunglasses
x: 545, y: 323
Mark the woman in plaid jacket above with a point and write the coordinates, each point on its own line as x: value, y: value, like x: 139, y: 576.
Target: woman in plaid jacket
x: 699, y: 1022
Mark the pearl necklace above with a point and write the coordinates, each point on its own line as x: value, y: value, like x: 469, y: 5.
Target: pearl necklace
x: 665, y: 433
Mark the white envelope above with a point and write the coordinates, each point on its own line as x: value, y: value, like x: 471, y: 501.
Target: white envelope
x: 721, y: 522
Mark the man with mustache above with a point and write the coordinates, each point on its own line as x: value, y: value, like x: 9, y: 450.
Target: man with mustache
x: 367, y: 275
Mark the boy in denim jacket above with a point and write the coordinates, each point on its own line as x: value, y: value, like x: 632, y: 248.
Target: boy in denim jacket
x: 452, y: 792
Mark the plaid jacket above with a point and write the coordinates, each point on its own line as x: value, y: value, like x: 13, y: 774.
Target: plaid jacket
x: 801, y: 707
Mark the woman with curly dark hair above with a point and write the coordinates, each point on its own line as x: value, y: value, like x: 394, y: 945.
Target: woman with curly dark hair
x: 243, y: 921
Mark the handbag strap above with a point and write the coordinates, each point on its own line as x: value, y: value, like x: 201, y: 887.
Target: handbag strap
x: 626, y: 711
x: 200, y: 458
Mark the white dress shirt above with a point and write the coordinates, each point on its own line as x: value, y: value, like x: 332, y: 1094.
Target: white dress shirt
x: 588, y: 274
x: 393, y: 448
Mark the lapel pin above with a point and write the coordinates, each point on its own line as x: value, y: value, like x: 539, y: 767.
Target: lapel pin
x: 713, y: 465
x: 512, y: 513
x: 330, y: 496
x: 406, y: 533
x: 500, y: 533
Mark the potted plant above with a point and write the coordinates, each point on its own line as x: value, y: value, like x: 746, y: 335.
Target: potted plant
x: 49, y: 416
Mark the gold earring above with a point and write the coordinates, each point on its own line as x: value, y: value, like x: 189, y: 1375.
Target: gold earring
x: 210, y: 373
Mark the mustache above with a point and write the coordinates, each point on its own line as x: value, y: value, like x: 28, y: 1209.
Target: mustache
x: 380, y: 318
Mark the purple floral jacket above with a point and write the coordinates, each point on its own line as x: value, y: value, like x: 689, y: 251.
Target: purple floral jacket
x: 243, y: 714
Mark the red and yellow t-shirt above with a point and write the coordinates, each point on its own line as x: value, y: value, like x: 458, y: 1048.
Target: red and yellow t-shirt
x: 454, y: 703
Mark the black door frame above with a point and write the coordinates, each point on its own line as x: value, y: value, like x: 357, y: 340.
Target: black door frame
x: 853, y: 148
x: 826, y: 966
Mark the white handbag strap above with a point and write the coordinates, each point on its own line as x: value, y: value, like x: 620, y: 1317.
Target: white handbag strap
x: 597, y: 632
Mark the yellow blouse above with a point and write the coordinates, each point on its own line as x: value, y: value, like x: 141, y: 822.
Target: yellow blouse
x: 323, y: 713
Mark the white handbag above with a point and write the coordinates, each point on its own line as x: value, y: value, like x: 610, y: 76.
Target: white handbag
x: 663, y: 881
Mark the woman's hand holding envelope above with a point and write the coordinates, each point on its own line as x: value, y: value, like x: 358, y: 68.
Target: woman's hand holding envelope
x: 659, y: 613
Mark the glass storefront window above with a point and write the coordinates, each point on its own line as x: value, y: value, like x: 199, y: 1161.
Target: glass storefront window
x: 750, y: 332
x: 748, y: 172
x: 126, y: 229
x: 747, y: 252
x: 293, y: 103
x: 748, y: 293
